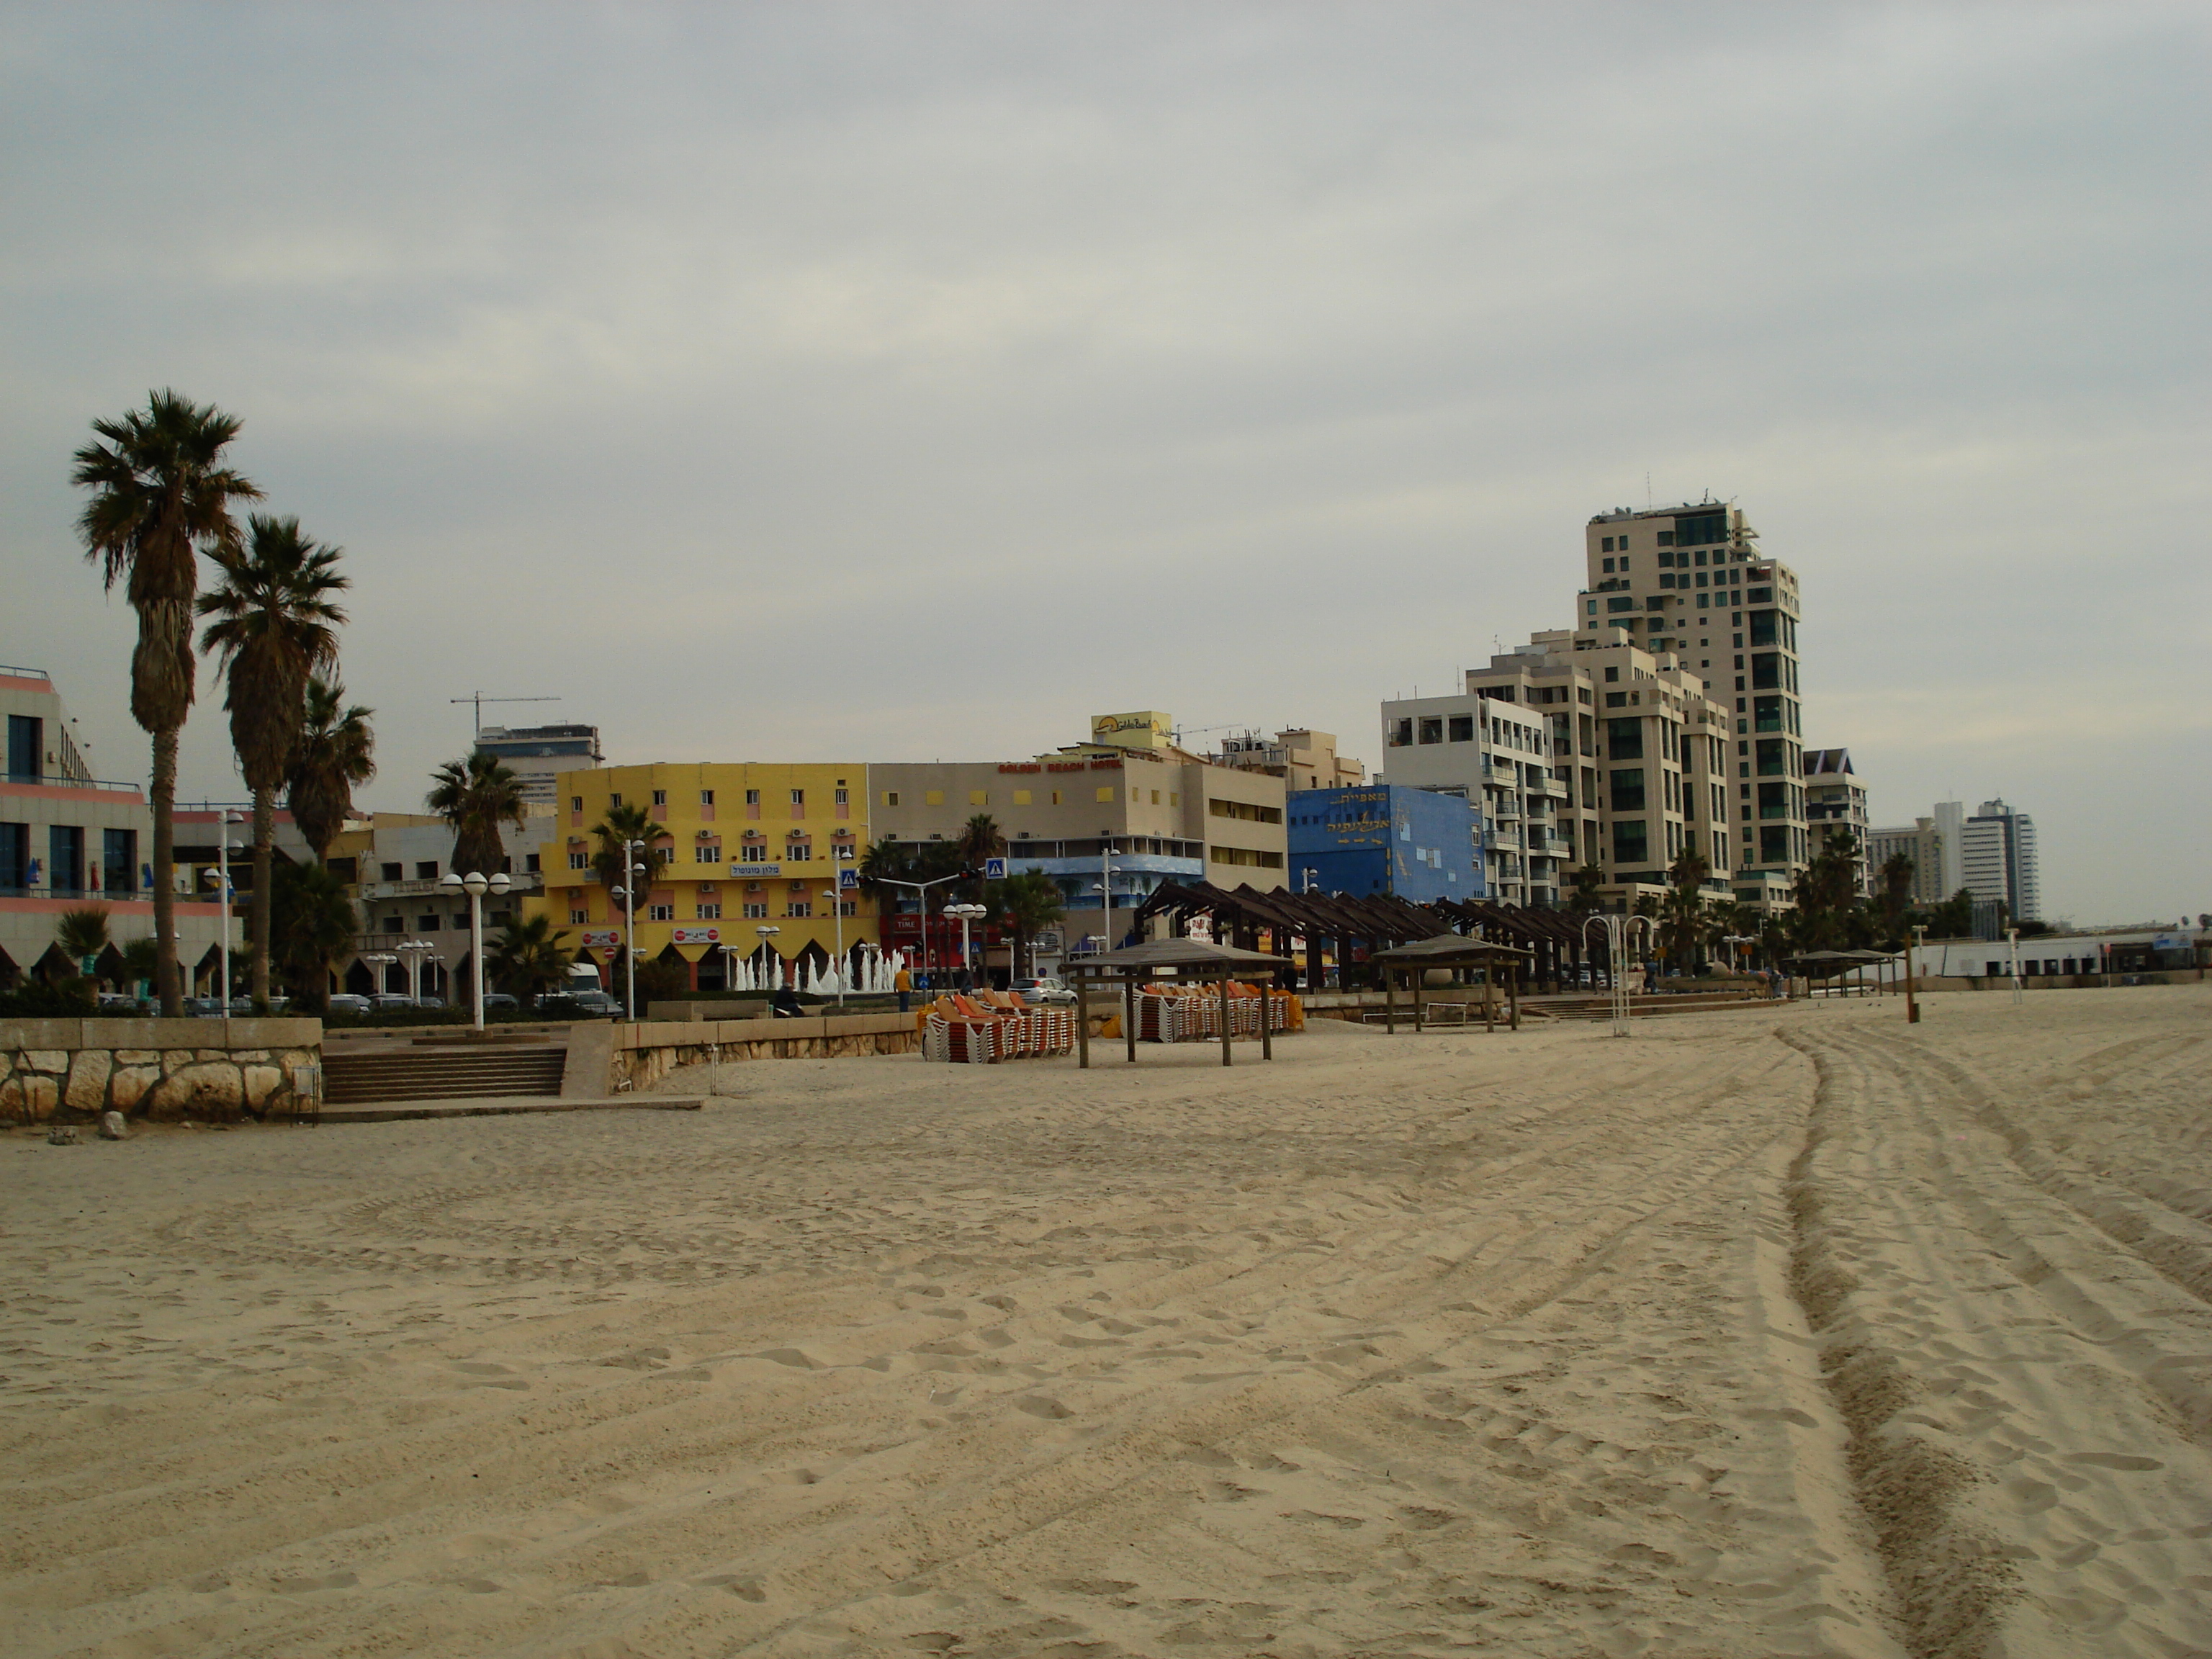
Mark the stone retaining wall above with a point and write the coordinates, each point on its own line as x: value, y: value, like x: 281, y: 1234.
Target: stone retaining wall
x: 644, y: 1053
x: 212, y: 1070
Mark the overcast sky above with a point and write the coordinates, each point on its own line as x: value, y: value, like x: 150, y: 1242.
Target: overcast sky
x: 910, y: 381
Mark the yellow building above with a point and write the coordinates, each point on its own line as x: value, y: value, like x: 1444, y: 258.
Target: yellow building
x: 738, y: 847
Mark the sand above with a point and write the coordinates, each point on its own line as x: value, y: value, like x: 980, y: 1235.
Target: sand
x: 1794, y: 1332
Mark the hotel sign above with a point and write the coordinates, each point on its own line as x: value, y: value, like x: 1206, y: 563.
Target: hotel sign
x: 602, y: 940
x: 754, y: 871
x: 697, y: 935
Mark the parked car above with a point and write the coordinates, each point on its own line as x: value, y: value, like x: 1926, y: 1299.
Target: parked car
x: 581, y: 1005
x: 1038, y: 991
x: 391, y: 1002
x: 492, y: 999
x: 440, y: 1002
x: 349, y: 1002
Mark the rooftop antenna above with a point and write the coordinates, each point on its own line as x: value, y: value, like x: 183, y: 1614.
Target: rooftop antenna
x: 1647, y: 490
x: 478, y: 700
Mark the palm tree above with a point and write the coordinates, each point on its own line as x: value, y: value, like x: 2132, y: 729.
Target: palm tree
x: 1685, y: 906
x: 625, y: 822
x: 475, y: 796
x: 1585, y: 881
x: 1897, y: 872
x: 337, y: 749
x: 529, y: 957
x: 140, y: 960
x: 160, y: 496
x: 979, y: 838
x: 312, y: 921
x: 81, y: 933
x: 274, y: 625
x: 1026, y: 904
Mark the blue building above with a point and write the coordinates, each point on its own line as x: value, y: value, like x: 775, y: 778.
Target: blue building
x: 1416, y: 844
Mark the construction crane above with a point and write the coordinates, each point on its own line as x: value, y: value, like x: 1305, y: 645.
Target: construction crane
x: 1180, y: 733
x: 478, y: 700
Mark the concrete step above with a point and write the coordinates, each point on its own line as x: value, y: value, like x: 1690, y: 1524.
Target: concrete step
x: 401, y: 1111
x: 352, y: 1079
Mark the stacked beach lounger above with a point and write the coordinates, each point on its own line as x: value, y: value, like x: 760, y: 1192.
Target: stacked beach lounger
x: 1192, y: 1013
x: 992, y: 1026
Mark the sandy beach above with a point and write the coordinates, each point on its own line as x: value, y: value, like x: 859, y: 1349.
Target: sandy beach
x: 1799, y: 1331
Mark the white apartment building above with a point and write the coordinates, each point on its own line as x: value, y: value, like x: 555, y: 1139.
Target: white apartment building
x: 1998, y: 852
x: 538, y: 755
x: 1836, y: 803
x: 1581, y: 749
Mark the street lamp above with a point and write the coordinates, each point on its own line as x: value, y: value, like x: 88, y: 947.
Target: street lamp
x: 921, y: 901
x: 476, y: 884
x: 628, y: 894
x: 837, y: 913
x: 223, y: 849
x: 966, y: 914
x: 382, y: 959
x: 764, y: 935
x: 415, y: 949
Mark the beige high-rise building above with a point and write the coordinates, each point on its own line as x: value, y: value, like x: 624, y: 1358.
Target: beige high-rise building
x: 1835, y: 805
x: 1302, y: 758
x: 1689, y: 585
x: 1923, y: 844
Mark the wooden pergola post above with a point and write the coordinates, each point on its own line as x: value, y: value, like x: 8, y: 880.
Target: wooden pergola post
x: 1417, y: 977
x: 1266, y: 1041
x: 1513, y: 991
x: 1129, y: 1013
x: 1225, y: 1043
x: 1389, y: 1001
x: 1082, y: 1020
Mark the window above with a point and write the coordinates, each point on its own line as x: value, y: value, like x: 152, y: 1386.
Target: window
x: 1463, y: 728
x: 1608, y: 564
x: 578, y: 917
x: 979, y: 798
x: 661, y: 913
x: 1624, y: 739
x: 1621, y: 602
x: 660, y: 798
x: 752, y: 797
x: 705, y: 798
x: 800, y: 908
x: 754, y: 911
x: 1611, y: 674
x: 1156, y: 798
x: 426, y: 869
x: 799, y: 852
x: 932, y: 798
x: 1616, y: 699
x: 709, y: 912
x: 706, y: 852
x: 1401, y: 734
x: 1022, y: 798
x: 1631, y: 844
x: 1628, y: 789
x: 1249, y: 812
x: 847, y: 907
x: 1432, y: 728
x: 430, y: 924
x: 529, y: 863
x: 575, y: 803
x: 799, y: 798
x: 580, y: 861
x: 890, y: 798
x: 842, y: 798
x: 1606, y: 547
x: 614, y: 800
x: 1106, y: 793
x: 1056, y: 799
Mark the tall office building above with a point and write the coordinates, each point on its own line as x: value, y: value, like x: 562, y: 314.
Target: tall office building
x: 1688, y: 586
x: 1998, y: 852
x: 1836, y: 806
x: 538, y: 755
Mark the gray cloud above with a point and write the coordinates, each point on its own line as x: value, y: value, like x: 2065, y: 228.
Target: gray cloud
x: 900, y: 381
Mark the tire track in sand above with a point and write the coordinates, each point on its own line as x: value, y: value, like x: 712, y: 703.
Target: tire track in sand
x: 1998, y: 1360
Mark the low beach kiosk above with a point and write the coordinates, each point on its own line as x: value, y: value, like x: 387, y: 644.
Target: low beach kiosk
x: 1449, y: 951
x: 1170, y: 958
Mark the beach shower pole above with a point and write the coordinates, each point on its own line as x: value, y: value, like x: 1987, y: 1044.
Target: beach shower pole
x: 1918, y: 946
x: 2015, y: 933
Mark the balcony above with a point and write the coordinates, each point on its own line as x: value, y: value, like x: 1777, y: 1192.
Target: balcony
x: 1505, y: 806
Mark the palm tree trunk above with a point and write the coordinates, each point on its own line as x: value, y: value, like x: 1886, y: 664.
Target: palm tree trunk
x: 164, y: 792
x: 264, y: 831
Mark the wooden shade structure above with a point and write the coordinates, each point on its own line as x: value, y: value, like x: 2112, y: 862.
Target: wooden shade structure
x: 1167, y: 959
x: 1449, y: 951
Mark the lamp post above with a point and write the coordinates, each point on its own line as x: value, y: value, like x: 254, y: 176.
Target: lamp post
x: 476, y: 884
x: 223, y: 849
x: 382, y: 959
x: 415, y: 949
x: 837, y: 915
x: 921, y: 901
x: 764, y: 935
x: 966, y: 914
x: 1618, y: 929
x: 2015, y: 933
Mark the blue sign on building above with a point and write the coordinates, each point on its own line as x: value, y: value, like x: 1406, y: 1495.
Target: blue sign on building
x: 1382, y: 838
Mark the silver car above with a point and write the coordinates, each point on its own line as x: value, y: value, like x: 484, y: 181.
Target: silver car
x: 1038, y: 991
